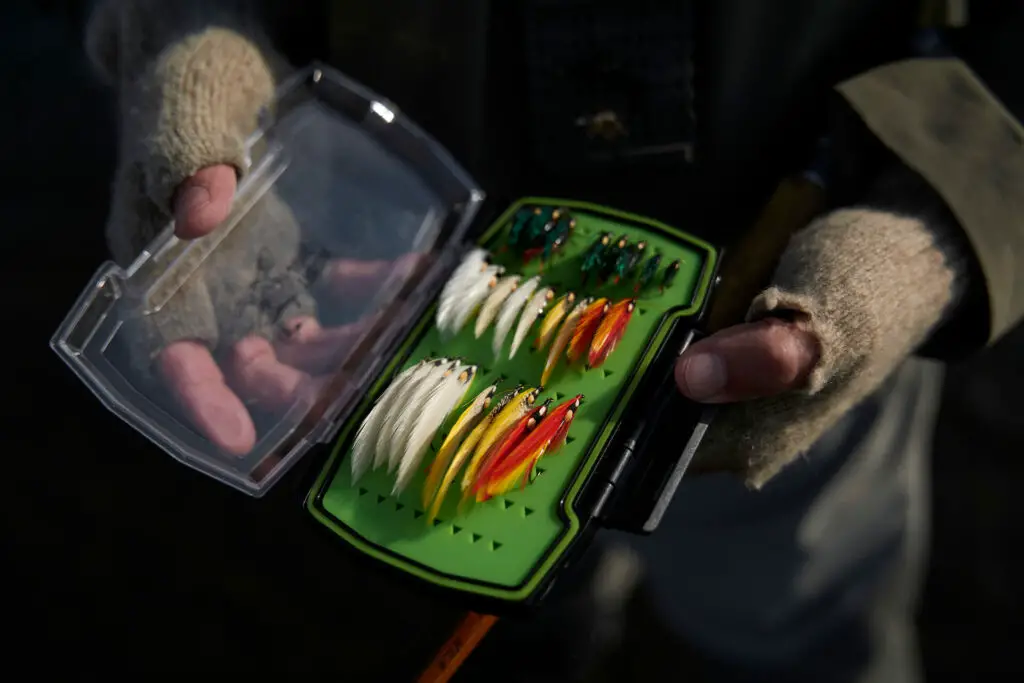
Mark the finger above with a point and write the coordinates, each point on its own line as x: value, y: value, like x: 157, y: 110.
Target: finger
x: 261, y: 379
x: 748, y: 361
x: 306, y: 345
x: 355, y: 278
x: 198, y: 385
x: 203, y: 201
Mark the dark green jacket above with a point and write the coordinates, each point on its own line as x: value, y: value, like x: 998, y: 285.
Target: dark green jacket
x: 764, y: 77
x: 748, y: 87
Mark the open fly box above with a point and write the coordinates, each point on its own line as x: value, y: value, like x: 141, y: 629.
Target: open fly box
x: 352, y: 238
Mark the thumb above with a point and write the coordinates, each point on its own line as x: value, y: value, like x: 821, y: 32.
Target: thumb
x: 203, y: 201
x: 748, y: 361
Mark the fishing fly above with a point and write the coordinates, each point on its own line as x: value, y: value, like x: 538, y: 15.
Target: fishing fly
x: 610, y: 331
x: 499, y: 427
x: 383, y: 428
x: 526, y: 424
x: 520, y: 222
x: 549, y: 325
x: 364, y: 445
x: 502, y: 291
x: 545, y: 438
x: 648, y: 272
x: 472, y: 265
x: 628, y: 258
x: 439, y: 403
x: 553, y: 237
x: 535, y: 227
x: 562, y: 340
x: 511, y: 309
x: 610, y: 258
x: 586, y: 328
x: 409, y: 407
x: 466, y: 449
x: 669, y: 276
x: 593, y: 258
x: 473, y: 297
x: 466, y: 421
x: 533, y: 309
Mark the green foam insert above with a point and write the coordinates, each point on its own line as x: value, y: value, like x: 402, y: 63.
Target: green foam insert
x: 497, y: 546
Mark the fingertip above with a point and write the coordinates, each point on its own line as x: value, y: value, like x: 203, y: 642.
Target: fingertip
x: 198, y: 385
x: 679, y: 371
x: 204, y: 201
x: 262, y: 379
x: 228, y: 423
x: 248, y: 351
x: 701, y: 376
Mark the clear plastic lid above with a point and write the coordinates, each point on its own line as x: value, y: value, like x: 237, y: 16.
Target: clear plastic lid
x: 238, y: 351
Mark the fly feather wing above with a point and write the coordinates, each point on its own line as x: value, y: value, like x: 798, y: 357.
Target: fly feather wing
x: 456, y: 435
x: 512, y: 307
x: 492, y: 304
x: 530, y: 314
x: 382, y: 439
x: 365, y: 442
x: 475, y: 294
x: 466, y: 449
x: 610, y: 332
x: 471, y: 265
x: 403, y: 411
x: 439, y: 403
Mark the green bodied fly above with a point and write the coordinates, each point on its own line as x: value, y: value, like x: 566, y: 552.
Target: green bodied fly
x: 593, y: 257
x: 538, y: 225
x: 669, y: 276
x: 648, y: 272
x: 519, y: 223
x: 628, y: 259
x: 556, y: 233
x: 559, y: 234
x: 610, y: 258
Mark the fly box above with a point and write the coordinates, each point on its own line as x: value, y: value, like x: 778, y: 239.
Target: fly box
x: 485, y: 398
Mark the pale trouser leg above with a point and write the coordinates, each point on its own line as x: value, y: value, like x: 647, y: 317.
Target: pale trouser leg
x: 896, y: 655
x: 816, y: 577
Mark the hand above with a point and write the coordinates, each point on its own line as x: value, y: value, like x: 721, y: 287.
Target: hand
x: 853, y: 295
x: 749, y: 361
x: 271, y: 375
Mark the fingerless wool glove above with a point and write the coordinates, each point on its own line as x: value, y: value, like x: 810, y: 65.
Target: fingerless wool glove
x: 870, y: 283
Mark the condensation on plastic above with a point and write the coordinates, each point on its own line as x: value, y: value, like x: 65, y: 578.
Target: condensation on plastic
x: 362, y: 182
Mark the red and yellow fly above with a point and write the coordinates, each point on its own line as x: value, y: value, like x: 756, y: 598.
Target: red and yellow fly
x: 546, y: 437
x: 586, y: 328
x: 610, y: 332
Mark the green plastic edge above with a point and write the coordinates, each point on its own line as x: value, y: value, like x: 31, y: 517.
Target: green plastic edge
x: 530, y: 585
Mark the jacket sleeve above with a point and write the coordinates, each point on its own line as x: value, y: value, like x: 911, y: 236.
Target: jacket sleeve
x: 941, y: 120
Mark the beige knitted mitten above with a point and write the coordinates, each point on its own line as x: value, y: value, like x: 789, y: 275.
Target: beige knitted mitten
x: 870, y: 284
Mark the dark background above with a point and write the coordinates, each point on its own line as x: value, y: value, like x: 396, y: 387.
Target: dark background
x: 117, y: 557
